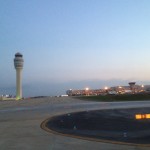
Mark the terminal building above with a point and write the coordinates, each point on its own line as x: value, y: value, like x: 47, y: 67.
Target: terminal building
x: 132, y: 88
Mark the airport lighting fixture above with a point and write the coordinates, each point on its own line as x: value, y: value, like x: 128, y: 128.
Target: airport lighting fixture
x: 106, y: 88
x: 86, y: 88
x: 142, y: 86
x: 142, y: 116
x: 86, y: 91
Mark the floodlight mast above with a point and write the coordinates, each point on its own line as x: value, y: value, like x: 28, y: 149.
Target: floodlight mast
x: 18, y: 63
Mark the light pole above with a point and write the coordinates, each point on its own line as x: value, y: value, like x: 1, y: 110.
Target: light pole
x: 87, y: 91
x: 142, y: 88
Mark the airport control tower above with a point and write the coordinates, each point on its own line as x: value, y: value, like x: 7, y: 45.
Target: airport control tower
x: 18, y: 63
x: 132, y: 86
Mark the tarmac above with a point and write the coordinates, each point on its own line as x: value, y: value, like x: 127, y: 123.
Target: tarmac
x: 20, y: 124
x: 114, y: 125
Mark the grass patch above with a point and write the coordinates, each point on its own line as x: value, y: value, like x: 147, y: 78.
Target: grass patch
x: 116, y: 98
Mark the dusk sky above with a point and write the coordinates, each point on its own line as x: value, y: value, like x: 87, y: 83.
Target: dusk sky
x: 74, y: 44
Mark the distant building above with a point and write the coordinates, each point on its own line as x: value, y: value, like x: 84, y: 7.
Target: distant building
x: 6, y: 97
x: 85, y: 92
x: 131, y: 89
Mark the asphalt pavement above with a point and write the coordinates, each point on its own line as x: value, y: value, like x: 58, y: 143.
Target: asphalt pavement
x: 20, y: 123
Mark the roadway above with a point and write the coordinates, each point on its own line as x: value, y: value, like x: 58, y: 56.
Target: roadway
x: 20, y: 124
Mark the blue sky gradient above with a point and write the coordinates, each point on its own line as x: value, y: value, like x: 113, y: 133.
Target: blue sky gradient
x: 74, y: 43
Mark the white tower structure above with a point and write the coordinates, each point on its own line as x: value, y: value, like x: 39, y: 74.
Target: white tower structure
x: 18, y: 63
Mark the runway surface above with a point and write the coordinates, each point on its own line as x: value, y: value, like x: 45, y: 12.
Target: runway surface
x: 20, y: 124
